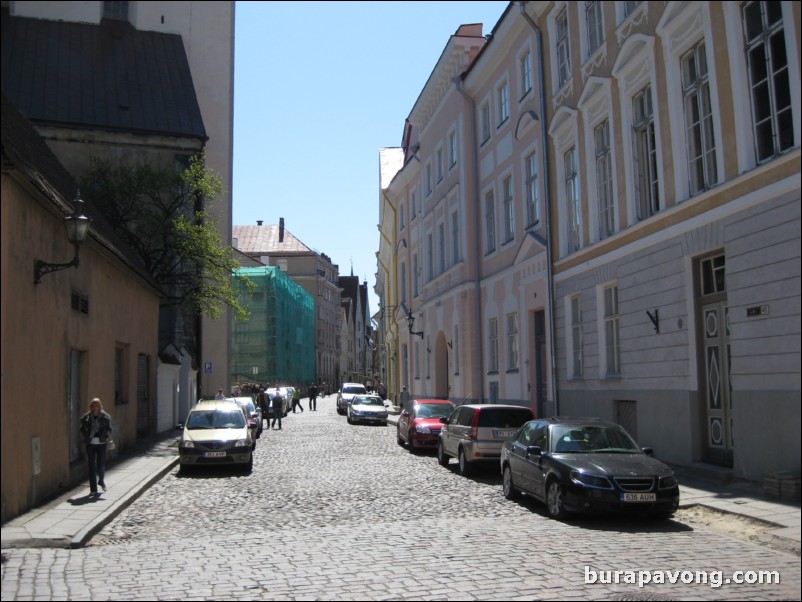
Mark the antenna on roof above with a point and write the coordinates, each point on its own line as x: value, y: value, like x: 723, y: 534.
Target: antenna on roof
x: 352, y: 266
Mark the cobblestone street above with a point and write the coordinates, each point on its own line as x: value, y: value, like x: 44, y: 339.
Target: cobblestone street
x: 336, y: 512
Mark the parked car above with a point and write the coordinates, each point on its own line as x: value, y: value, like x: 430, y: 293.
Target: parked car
x: 586, y: 465
x: 254, y: 414
x: 367, y: 408
x: 419, y: 427
x: 476, y: 433
x: 286, y: 397
x: 346, y: 393
x: 216, y: 432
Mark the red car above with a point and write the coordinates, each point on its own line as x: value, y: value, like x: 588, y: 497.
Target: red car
x: 419, y: 425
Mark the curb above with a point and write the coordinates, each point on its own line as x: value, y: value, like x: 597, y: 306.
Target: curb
x: 85, y: 534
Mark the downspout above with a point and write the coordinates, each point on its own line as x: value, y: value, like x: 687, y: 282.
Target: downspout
x: 547, y: 187
x: 389, y: 325
x: 475, y: 167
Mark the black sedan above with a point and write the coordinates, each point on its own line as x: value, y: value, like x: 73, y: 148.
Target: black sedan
x: 586, y: 465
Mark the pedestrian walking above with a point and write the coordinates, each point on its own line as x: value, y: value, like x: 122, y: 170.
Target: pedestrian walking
x: 263, y: 403
x: 313, y: 397
x: 404, y: 399
x: 96, y: 430
x: 296, y: 399
x: 278, y: 409
x: 220, y: 394
x: 382, y: 391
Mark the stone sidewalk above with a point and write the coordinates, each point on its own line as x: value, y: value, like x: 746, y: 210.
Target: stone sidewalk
x: 72, y: 519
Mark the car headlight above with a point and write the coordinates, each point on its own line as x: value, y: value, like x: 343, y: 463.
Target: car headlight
x: 667, y: 482
x: 188, y: 444
x: 590, y: 480
x: 242, y: 443
x: 422, y: 428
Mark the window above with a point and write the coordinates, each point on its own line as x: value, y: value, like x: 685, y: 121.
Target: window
x: 402, y: 217
x: 611, y: 330
x: 512, y: 341
x: 455, y: 348
x: 525, y: 66
x: 490, y: 222
x: 413, y: 206
x: 439, y: 163
x: 120, y: 375
x: 429, y: 258
x: 493, y: 392
x: 441, y: 247
x: 503, y: 93
x: 452, y: 149
x: 492, y: 332
x: 630, y: 6
x: 485, y: 116
x: 79, y: 302
x: 428, y: 179
x: 698, y: 120
x: 563, y: 50
x: 768, y: 78
x: 713, y: 276
x: 604, y: 180
x: 593, y: 17
x: 455, y: 241
x: 532, y: 191
x: 415, y: 275
x: 115, y: 10
x: 647, y: 194
x: 509, y: 211
x: 576, y: 337
x: 572, y: 201
x: 403, y: 283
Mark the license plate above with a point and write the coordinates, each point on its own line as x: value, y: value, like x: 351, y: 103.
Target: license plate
x: 504, y: 434
x: 638, y: 497
x: 215, y: 454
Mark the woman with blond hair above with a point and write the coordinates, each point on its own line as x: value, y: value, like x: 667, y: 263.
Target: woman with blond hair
x: 96, y: 431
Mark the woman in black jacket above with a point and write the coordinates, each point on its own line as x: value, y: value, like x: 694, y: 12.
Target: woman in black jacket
x: 96, y: 431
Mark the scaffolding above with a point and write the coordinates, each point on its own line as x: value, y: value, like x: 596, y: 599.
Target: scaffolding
x: 276, y: 343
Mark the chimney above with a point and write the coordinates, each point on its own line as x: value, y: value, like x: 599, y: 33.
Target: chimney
x: 259, y: 222
x: 281, y: 229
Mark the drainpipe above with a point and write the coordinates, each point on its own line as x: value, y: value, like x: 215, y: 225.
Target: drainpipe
x: 547, y: 186
x: 475, y: 166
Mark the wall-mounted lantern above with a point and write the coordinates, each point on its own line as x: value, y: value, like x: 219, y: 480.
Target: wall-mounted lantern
x: 77, y: 226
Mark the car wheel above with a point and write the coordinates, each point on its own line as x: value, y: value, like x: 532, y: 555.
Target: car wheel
x: 249, y: 466
x: 555, y: 501
x: 465, y: 467
x: 411, y: 443
x: 442, y: 458
x: 509, y: 489
x: 398, y: 438
x: 348, y: 418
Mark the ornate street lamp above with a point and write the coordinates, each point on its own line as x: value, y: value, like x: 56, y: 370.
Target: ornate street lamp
x: 77, y: 226
x: 411, y: 323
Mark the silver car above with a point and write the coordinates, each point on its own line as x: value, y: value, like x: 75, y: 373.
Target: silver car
x: 346, y: 393
x: 476, y: 433
x: 367, y: 408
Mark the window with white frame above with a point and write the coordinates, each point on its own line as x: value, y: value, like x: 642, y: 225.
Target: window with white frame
x: 563, y: 45
x: 484, y: 113
x: 604, y: 179
x: 402, y: 216
x: 415, y: 275
x: 512, y: 341
x: 403, y: 282
x: 492, y: 335
x: 490, y: 222
x: 493, y: 391
x: 699, y: 132
x: 455, y: 238
x: 439, y: 163
x: 532, y: 191
x: 455, y: 348
x: 630, y: 6
x: 429, y: 258
x: 644, y: 152
x: 525, y: 70
x: 595, y: 25
x: 577, y: 355
x: 573, y: 209
x: 612, y: 344
x: 503, y: 97
x: 452, y: 149
x: 509, y: 210
x: 767, y: 62
x: 428, y: 179
x: 441, y: 247
x: 413, y: 205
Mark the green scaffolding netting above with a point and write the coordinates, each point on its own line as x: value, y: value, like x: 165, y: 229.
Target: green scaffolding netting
x: 276, y: 343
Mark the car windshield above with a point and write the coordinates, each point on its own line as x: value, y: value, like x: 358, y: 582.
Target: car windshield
x: 215, y: 419
x: 504, y: 417
x: 358, y: 389
x: 433, y: 410
x: 592, y: 439
x: 248, y: 405
x: 368, y: 401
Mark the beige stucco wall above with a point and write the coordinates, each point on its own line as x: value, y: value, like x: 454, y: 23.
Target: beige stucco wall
x: 39, y: 329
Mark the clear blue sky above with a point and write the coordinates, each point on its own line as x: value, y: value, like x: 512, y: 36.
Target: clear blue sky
x: 319, y: 88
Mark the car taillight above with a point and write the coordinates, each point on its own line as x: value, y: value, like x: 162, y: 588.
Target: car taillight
x: 475, y: 426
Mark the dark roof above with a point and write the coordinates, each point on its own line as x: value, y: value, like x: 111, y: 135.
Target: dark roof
x: 107, y: 77
x: 24, y: 151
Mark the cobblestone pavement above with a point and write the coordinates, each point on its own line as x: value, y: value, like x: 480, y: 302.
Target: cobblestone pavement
x: 339, y: 512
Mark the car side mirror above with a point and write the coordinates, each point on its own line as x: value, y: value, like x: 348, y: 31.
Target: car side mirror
x: 444, y: 420
x: 648, y: 451
x: 534, y: 450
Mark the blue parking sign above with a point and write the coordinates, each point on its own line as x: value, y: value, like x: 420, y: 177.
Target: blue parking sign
x: 207, y: 368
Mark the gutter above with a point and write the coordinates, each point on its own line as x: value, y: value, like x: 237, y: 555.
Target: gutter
x: 475, y: 167
x: 547, y: 212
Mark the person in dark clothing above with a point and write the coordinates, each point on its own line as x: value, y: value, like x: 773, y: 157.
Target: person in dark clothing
x: 96, y: 430
x: 313, y: 397
x: 278, y: 409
